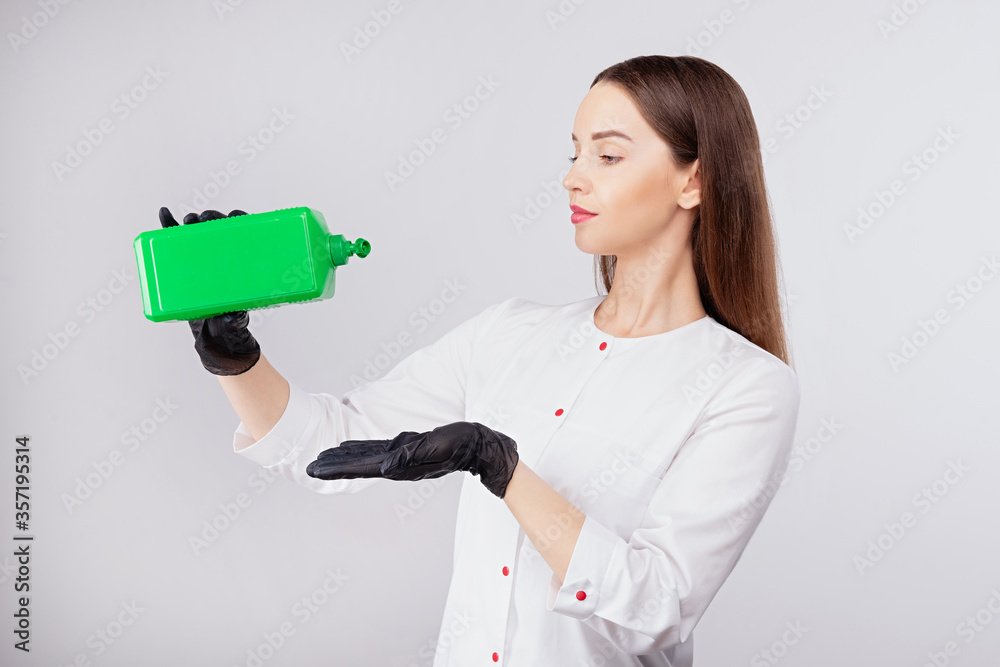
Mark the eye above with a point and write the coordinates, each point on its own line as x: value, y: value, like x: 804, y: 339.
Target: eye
x: 611, y: 159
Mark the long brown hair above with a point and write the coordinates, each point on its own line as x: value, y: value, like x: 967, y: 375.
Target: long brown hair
x: 701, y: 112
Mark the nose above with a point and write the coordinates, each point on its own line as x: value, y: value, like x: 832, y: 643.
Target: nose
x: 574, y: 180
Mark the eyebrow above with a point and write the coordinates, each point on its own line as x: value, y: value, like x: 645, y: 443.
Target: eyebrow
x: 606, y: 133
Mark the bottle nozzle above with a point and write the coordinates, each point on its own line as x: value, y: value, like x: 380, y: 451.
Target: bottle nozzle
x: 341, y: 248
x: 361, y: 247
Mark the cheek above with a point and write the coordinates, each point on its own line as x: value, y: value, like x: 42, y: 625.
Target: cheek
x: 643, y: 199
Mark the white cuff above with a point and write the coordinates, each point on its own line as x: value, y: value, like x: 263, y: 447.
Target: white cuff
x: 585, y: 575
x: 283, y: 438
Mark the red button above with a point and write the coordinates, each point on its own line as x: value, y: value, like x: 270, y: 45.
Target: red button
x: 559, y: 412
x: 603, y: 345
x: 580, y: 595
x: 495, y: 657
x: 505, y: 571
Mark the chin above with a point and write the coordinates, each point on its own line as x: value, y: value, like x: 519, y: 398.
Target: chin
x: 587, y: 242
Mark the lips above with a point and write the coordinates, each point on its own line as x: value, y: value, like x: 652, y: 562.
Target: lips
x: 580, y: 214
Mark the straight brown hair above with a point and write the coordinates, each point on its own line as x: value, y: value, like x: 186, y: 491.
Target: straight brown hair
x: 701, y: 112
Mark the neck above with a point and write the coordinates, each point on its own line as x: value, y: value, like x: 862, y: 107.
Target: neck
x: 654, y: 291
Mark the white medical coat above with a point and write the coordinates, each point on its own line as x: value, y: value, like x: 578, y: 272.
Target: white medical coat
x: 672, y: 445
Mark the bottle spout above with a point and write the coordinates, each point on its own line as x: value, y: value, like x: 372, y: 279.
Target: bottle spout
x: 341, y: 249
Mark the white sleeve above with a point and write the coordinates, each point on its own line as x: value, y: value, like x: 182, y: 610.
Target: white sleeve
x: 423, y: 391
x: 647, y: 593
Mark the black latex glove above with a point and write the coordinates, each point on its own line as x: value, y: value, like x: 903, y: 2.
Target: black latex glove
x: 223, y: 342
x: 412, y: 456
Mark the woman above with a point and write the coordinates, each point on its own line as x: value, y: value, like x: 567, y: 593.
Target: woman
x: 635, y: 439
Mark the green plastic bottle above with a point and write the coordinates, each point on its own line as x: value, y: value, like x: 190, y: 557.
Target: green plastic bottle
x: 259, y: 260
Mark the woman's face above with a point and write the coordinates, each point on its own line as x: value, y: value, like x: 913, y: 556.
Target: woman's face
x: 640, y: 197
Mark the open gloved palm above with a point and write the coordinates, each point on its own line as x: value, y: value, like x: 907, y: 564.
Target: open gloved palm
x: 411, y: 456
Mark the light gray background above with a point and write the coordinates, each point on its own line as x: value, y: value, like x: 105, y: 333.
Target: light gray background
x: 850, y: 305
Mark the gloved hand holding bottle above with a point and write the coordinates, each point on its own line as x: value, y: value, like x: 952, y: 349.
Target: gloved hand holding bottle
x: 223, y: 342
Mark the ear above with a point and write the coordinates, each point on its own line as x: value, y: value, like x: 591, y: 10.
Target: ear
x: 690, y: 195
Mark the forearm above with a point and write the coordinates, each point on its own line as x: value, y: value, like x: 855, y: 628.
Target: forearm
x: 259, y: 396
x: 551, y: 522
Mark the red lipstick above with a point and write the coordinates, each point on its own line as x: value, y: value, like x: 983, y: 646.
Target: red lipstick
x: 580, y: 214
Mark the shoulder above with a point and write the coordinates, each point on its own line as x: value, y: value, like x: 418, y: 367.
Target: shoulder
x: 751, y: 373
x: 519, y: 312
x: 518, y: 321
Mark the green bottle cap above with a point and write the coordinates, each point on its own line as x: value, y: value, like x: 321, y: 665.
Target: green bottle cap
x: 341, y: 248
